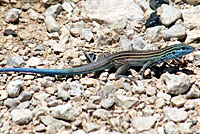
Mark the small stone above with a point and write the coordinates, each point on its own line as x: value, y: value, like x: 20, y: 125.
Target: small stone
x: 89, y: 127
x: 33, y: 14
x: 14, y: 88
x: 189, y: 105
x: 23, y: 105
x: 104, y: 76
x: 8, y: 32
x: 86, y: 34
x: 139, y: 88
x: 53, y: 10
x: 192, y: 36
x: 144, y: 123
x: 51, y: 24
x: 125, y: 43
x: 89, y: 82
x: 175, y: 114
x: 153, y: 21
x: 75, y: 62
x: 160, y: 103
x: 67, y: 7
x: 59, y: 48
x: 105, y: 91
x: 192, y: 2
x: 79, y: 132
x: 54, y: 103
x: 11, y: 103
x: 101, y: 113
x: 154, y: 4
x: 65, y: 112
x: 13, y: 15
x: 63, y: 91
x: 107, y: 103
x: 3, y: 95
x: 40, y: 128
x: 15, y: 61
x: 25, y: 96
x: 151, y: 90
x: 115, y: 122
x: 75, y: 32
x: 176, y: 84
x: 21, y: 116
x: 185, y: 128
x: 33, y: 61
x: 169, y: 14
x: 178, y: 101
x: 165, y: 96
x: 126, y: 102
x: 154, y: 34
x: 76, y: 89
x: 139, y: 44
x: 171, y: 128
x: 191, y: 17
x: 41, y: 96
x: 176, y: 31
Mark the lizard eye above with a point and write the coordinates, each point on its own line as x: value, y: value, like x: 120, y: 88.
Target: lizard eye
x: 173, y: 52
x: 183, y: 48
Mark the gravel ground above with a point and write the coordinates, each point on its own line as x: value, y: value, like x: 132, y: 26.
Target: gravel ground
x: 54, y: 34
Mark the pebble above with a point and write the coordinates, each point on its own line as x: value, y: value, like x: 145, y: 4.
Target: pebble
x: 107, y: 103
x: 101, y: 113
x: 86, y: 34
x: 192, y: 36
x: 15, y: 61
x: 178, y: 101
x: 154, y: 34
x: 67, y: 7
x: 25, y: 96
x: 53, y: 10
x: 139, y: 44
x: 41, y: 96
x: 11, y: 103
x: 159, y: 103
x: 63, y: 91
x: 79, y: 132
x: 52, y: 122
x: 175, y: 114
x: 40, y: 128
x: 21, y: 116
x: 189, y: 105
x: 51, y: 24
x: 89, y: 127
x: 171, y: 128
x: 185, y: 128
x: 76, y: 89
x: 65, y: 112
x: 14, y: 88
x: 191, y: 17
x: 76, y: 62
x: 176, y: 84
x: 75, y: 32
x: 59, y: 48
x: 13, y: 15
x: 176, y: 31
x: 169, y: 14
x: 3, y: 94
x: 153, y: 21
x: 154, y: 4
x: 125, y: 43
x: 33, y: 14
x: 102, y: 11
x: 33, y: 61
x: 126, y: 102
x: 23, y: 105
x: 8, y: 32
x: 144, y: 123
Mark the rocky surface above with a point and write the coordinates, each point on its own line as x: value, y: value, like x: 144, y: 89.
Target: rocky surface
x: 54, y: 34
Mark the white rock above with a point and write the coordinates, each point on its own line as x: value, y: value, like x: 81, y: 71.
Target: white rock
x: 65, y: 112
x: 86, y: 34
x: 34, y: 61
x: 53, y: 10
x: 33, y: 14
x: 169, y: 14
x: 154, y: 34
x: 192, y: 36
x: 59, y: 48
x: 125, y: 43
x: 67, y: 6
x: 112, y: 11
x: 171, y: 128
x: 178, y: 101
x: 144, y: 123
x: 191, y: 17
x: 124, y: 101
x: 13, y: 15
x: 14, y: 88
x: 176, y: 31
x: 15, y: 61
x: 175, y: 114
x: 101, y: 113
x: 21, y: 116
x: 192, y: 2
x: 51, y: 24
x: 176, y: 84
